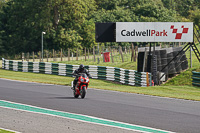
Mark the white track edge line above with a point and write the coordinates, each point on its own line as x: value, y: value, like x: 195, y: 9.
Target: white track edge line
x: 82, y: 115
x: 9, y: 130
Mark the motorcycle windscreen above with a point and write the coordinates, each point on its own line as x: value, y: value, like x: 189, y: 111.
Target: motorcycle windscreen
x: 84, y: 75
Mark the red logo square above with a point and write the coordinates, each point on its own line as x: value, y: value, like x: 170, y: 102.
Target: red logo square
x: 185, y: 30
x: 178, y: 36
x: 174, y: 30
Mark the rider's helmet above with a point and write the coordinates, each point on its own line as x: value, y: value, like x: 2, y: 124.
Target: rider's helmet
x: 81, y: 67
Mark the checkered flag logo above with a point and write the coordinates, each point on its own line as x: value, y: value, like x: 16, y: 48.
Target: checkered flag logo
x: 179, y: 35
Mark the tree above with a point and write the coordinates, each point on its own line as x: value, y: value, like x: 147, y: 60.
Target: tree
x: 63, y: 21
x: 71, y: 23
x: 195, y: 17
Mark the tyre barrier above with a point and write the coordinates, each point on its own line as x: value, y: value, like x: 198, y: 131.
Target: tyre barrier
x: 123, y: 76
x: 164, y: 56
x: 196, y: 78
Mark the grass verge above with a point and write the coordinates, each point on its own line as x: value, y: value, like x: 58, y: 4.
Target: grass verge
x: 5, y: 131
x: 182, y: 92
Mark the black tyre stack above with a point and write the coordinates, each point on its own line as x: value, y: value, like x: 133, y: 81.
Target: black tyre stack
x: 184, y: 62
x: 164, y: 56
x: 171, y: 66
x: 177, y: 61
x: 159, y: 65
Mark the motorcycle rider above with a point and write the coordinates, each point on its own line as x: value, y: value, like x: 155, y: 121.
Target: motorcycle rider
x: 81, y: 69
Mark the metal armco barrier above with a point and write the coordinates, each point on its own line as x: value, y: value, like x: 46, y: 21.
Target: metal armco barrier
x: 128, y: 77
x: 196, y: 78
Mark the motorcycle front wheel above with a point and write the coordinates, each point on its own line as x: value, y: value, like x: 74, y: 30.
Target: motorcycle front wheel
x: 83, y: 92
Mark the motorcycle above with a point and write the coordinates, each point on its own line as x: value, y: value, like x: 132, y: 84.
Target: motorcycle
x: 81, y: 86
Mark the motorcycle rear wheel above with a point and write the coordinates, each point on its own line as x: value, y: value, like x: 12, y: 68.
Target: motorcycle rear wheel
x: 76, y: 95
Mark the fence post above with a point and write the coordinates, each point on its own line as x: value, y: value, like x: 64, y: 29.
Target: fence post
x: 85, y: 53
x: 77, y: 54
x: 22, y: 56
x: 132, y: 56
x: 47, y: 54
x: 88, y: 53
x: 53, y: 55
x: 33, y: 57
x: 40, y: 55
x: 61, y: 54
x: 121, y: 53
x: 111, y: 55
x: 135, y: 53
x: 68, y: 54
x: 102, y: 49
x: 126, y: 52
x: 94, y: 53
x: 28, y: 56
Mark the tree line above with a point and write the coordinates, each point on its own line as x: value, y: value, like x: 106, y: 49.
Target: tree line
x: 71, y: 23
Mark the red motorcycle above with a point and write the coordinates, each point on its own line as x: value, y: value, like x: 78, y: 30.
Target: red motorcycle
x: 81, y: 86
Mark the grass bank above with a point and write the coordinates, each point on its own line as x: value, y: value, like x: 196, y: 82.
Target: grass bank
x: 182, y: 92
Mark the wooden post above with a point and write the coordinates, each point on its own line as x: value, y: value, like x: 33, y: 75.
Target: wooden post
x: 135, y: 53
x: 88, y: 53
x: 47, y: 54
x: 121, y: 53
x: 28, y: 56
x: 85, y: 54
x: 40, y: 55
x: 33, y: 57
x: 126, y: 52
x: 53, y: 55
x: 111, y: 55
x: 102, y: 53
x: 147, y: 78
x: 132, y: 56
x: 68, y: 54
x: 94, y: 53
x: 22, y: 56
x: 77, y: 54
x: 61, y: 55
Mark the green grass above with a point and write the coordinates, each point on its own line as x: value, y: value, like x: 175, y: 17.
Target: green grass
x: 5, y: 131
x: 127, y: 64
x: 178, y: 87
x: 185, y: 78
x: 181, y: 92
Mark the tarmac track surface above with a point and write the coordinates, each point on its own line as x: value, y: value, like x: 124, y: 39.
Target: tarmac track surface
x: 161, y: 113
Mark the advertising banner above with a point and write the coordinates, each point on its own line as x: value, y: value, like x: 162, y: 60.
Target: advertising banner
x: 154, y: 31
